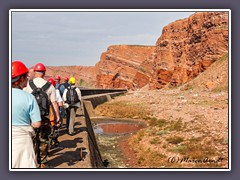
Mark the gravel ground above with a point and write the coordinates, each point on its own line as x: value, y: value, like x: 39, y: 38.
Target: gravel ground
x: 203, y: 116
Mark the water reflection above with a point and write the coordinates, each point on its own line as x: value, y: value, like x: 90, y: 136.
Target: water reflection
x: 113, y: 127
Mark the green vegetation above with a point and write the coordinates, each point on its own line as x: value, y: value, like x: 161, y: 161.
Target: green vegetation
x: 169, y: 136
x: 123, y: 109
x: 155, y: 140
x: 175, y: 140
x: 175, y: 125
x: 157, y: 122
x: 178, y: 149
x: 162, y: 132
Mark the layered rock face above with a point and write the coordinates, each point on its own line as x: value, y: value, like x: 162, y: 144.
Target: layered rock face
x: 123, y: 66
x: 189, y: 46
x: 186, y: 48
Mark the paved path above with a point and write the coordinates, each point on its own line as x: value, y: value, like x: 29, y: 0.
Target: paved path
x: 67, y: 154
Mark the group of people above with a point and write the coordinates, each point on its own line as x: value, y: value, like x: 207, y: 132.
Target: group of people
x: 30, y: 112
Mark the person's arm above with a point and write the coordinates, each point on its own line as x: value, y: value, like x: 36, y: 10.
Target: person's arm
x: 64, y: 95
x: 60, y: 104
x: 34, y: 113
x: 54, y: 102
x: 55, y: 106
x: 36, y: 124
x: 59, y: 98
x: 79, y: 95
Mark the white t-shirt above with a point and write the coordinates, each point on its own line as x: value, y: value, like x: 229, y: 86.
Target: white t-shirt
x: 39, y: 82
x: 58, y: 96
x: 78, y: 93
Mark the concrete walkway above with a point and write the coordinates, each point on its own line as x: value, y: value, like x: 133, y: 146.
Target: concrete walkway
x: 69, y: 152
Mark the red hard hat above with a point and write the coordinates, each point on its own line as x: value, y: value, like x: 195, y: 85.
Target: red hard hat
x: 39, y: 67
x: 18, y: 68
x: 66, y: 78
x: 51, y: 80
x: 57, y: 77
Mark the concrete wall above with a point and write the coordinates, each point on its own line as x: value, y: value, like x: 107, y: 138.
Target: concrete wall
x: 101, y: 98
x: 89, y: 104
x: 88, y: 92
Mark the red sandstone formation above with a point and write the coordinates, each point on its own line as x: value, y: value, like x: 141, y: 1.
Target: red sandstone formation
x: 121, y: 67
x: 188, y: 47
x: 185, y: 49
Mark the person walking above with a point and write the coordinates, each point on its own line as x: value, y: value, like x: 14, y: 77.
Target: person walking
x: 25, y: 117
x: 61, y: 88
x: 46, y: 99
x: 39, y: 82
x: 58, y: 95
x: 57, y: 81
x: 72, y: 96
x: 64, y: 85
x: 52, y: 115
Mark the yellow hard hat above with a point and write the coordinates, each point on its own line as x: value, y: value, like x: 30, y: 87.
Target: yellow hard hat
x: 72, y: 80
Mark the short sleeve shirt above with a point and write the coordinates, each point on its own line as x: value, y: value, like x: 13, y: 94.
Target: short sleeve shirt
x: 58, y: 96
x: 24, y: 108
x: 78, y: 93
x: 40, y: 82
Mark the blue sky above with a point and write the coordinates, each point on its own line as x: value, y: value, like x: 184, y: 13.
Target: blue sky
x: 66, y: 38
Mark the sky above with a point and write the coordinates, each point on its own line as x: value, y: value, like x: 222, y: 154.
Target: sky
x: 79, y: 37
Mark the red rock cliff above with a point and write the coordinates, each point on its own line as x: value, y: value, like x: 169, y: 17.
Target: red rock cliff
x: 189, y: 46
x: 185, y: 49
x: 121, y: 67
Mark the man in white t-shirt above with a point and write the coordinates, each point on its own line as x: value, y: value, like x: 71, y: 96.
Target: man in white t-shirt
x: 39, y: 82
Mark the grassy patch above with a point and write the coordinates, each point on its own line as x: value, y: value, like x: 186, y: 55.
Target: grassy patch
x: 155, y: 140
x: 195, y: 148
x: 175, y: 125
x: 140, y: 135
x: 122, y: 109
x: 178, y: 149
x: 162, y: 132
x: 175, y: 140
x: 157, y: 122
x: 154, y: 159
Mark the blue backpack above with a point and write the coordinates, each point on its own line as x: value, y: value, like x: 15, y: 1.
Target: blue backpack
x: 61, y: 88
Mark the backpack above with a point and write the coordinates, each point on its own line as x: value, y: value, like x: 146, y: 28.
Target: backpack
x: 61, y: 88
x: 72, y: 96
x: 41, y: 97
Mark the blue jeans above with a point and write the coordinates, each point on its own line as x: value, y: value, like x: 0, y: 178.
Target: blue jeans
x: 62, y: 112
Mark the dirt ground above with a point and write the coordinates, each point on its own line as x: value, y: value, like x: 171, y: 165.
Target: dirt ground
x: 186, y: 128
x: 67, y: 154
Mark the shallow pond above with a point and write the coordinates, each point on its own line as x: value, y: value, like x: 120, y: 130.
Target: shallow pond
x: 116, y: 127
x: 108, y: 134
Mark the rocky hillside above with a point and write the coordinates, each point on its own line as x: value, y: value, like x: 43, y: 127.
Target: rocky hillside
x: 185, y: 49
x: 85, y: 76
x: 121, y: 67
x: 188, y: 47
x: 215, y: 78
x: 189, y: 123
